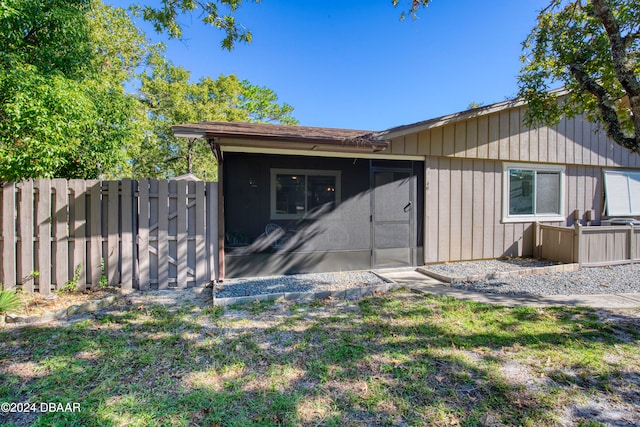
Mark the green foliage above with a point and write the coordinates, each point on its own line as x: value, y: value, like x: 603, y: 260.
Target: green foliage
x: 592, y: 48
x: 170, y: 98
x: 72, y: 285
x: 64, y: 111
x: 9, y: 301
x: 218, y: 14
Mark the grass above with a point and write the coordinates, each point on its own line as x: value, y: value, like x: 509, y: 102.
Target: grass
x: 398, y: 359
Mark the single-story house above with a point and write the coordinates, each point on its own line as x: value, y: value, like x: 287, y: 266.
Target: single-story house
x: 465, y: 186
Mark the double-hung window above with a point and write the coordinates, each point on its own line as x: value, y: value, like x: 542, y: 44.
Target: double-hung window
x: 622, y: 192
x: 297, y: 192
x: 533, y: 193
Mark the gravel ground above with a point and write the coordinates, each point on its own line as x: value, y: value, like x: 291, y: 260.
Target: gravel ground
x: 593, y: 280
x: 471, y: 268
x: 590, y: 280
x: 316, y: 282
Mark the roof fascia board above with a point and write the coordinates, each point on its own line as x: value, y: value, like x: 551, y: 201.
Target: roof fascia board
x: 320, y: 153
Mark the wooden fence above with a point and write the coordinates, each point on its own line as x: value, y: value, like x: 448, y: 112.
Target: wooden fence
x: 147, y: 234
x: 588, y: 246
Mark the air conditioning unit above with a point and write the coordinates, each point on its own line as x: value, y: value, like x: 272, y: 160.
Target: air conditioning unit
x: 620, y: 221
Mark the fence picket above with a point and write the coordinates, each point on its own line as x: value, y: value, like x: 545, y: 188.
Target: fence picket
x: 95, y: 232
x: 61, y: 232
x: 77, y: 211
x: 43, y: 221
x: 126, y: 255
x: 113, y: 236
x: 143, y: 233
x: 25, y: 230
x: 8, y: 236
x: 181, y: 235
x: 163, y: 234
x: 200, y: 248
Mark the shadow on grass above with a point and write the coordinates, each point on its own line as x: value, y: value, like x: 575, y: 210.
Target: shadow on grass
x: 401, y: 359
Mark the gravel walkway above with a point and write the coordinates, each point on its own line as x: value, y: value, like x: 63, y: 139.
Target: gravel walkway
x: 586, y: 281
x: 593, y: 280
x: 316, y: 282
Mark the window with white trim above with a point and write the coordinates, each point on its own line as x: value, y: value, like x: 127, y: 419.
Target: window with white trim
x: 533, y: 193
x: 296, y: 192
x: 622, y: 192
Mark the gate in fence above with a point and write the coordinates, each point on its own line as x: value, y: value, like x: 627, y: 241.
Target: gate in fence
x: 147, y: 234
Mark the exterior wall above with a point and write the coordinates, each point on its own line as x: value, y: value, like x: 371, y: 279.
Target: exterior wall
x: 463, y: 212
x: 502, y: 136
x: 463, y: 179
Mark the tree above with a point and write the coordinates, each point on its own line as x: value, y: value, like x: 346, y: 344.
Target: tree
x: 219, y: 14
x: 170, y: 98
x: 592, y: 48
x: 64, y: 111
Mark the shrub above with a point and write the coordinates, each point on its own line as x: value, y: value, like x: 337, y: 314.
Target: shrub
x: 8, y: 301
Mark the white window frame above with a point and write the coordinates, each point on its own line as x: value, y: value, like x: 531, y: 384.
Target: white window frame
x: 306, y: 172
x: 506, y: 192
x: 631, y: 201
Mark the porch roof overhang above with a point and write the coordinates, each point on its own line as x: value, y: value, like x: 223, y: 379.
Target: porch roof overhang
x: 287, y: 137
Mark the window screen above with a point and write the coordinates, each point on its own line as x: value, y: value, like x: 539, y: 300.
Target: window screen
x: 296, y: 192
x: 533, y: 192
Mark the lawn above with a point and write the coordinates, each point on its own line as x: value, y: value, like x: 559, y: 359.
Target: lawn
x: 395, y: 359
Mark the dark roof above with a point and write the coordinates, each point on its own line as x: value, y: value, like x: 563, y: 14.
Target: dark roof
x: 290, y: 133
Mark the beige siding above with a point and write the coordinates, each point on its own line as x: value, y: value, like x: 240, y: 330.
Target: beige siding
x: 502, y: 135
x: 463, y: 212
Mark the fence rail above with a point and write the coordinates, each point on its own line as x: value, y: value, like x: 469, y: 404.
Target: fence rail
x: 588, y: 246
x: 147, y: 234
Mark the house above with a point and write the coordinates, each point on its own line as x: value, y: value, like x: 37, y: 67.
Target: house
x: 464, y: 186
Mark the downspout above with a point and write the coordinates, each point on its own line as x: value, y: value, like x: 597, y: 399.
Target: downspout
x: 217, y: 152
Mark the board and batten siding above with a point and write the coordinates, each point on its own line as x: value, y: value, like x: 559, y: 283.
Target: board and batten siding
x: 502, y: 136
x: 464, y: 176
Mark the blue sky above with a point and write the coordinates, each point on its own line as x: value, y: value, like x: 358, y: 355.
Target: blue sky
x: 354, y: 64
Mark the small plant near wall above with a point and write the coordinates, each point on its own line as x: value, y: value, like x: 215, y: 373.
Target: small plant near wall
x: 9, y: 301
x: 72, y: 285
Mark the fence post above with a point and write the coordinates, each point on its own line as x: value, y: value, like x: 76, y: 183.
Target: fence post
x: 536, y: 240
x: 577, y: 238
x: 632, y: 255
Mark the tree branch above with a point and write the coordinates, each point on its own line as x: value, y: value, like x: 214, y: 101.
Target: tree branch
x: 623, y: 65
x: 606, y: 108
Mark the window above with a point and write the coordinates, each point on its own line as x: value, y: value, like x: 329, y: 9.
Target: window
x: 296, y: 192
x: 533, y: 193
x: 622, y: 192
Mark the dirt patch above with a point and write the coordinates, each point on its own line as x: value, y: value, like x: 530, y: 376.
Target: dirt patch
x: 34, y: 303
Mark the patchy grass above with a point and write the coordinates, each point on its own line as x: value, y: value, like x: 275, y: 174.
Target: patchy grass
x: 399, y: 359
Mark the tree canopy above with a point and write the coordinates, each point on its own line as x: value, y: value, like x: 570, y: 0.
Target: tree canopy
x: 218, y: 14
x: 63, y: 112
x: 84, y: 94
x: 592, y: 48
x: 171, y: 98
